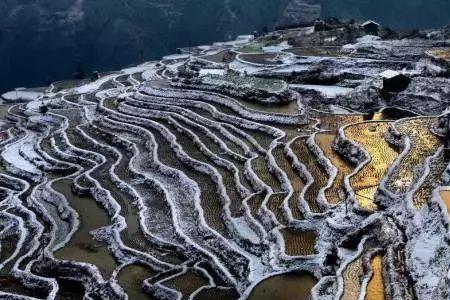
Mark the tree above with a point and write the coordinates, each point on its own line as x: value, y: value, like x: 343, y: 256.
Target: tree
x: 95, y: 75
x: 387, y: 32
x: 349, y: 35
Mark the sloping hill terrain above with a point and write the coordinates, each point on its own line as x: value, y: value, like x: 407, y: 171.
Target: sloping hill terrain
x: 44, y: 40
x: 41, y: 41
x: 291, y: 166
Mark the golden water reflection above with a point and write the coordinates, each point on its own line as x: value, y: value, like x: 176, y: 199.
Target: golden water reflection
x: 423, y: 144
x: 329, y: 121
x: 433, y: 179
x: 371, y: 137
x: 376, y: 288
x: 335, y: 194
x: 445, y: 195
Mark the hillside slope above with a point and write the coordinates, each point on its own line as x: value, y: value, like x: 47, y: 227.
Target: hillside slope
x: 42, y: 40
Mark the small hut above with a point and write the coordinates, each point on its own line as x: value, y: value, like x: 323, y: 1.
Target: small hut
x: 371, y: 27
x: 394, y: 81
x: 320, y: 25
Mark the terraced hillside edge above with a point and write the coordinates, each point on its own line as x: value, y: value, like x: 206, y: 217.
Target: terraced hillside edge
x: 275, y: 167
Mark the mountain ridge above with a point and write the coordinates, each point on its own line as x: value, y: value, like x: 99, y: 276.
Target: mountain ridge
x: 43, y: 40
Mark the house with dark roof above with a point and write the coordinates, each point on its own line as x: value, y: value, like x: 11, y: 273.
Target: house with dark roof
x: 371, y: 27
x: 395, y: 81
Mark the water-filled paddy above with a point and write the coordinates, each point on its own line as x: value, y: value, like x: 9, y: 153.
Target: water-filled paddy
x: 320, y: 177
x: 298, y: 242
x: 335, y: 193
x: 293, y: 286
x: 82, y: 247
x: 376, y: 287
x: 131, y: 279
x: 423, y: 143
x: 353, y: 276
x: 218, y: 189
x: 445, y: 196
x: 370, y: 136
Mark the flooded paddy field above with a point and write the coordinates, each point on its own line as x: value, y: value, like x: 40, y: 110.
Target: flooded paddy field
x: 207, y: 177
x: 375, y: 287
x: 423, y: 144
x: 285, y: 286
x: 371, y: 137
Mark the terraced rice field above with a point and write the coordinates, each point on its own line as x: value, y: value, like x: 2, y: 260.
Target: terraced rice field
x: 298, y: 243
x: 432, y: 181
x: 136, y: 186
x: 240, y: 82
x: 287, y: 286
x: 375, y: 287
x: 260, y: 58
x: 330, y: 51
x: 445, y: 195
x: 442, y: 53
x: 381, y: 154
x: 422, y: 144
x: 316, y: 171
x: 364, y: 270
x: 352, y: 280
x: 332, y: 122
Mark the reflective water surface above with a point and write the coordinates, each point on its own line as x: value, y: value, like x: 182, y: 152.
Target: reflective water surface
x: 290, y: 286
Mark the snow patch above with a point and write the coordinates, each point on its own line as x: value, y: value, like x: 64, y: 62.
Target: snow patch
x: 329, y: 91
x: 15, y: 96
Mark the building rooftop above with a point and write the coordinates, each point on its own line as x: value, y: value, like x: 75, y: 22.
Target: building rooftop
x: 369, y: 22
